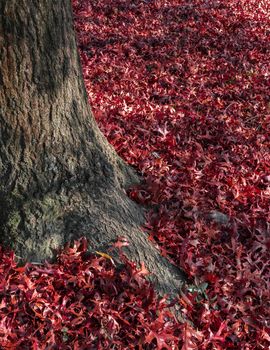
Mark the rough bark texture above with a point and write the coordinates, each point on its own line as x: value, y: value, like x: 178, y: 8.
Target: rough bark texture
x: 59, y: 178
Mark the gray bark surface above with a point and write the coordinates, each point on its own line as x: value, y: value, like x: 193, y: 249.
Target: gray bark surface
x: 59, y: 177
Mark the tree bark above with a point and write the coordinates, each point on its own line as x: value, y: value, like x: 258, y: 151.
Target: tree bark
x: 59, y: 177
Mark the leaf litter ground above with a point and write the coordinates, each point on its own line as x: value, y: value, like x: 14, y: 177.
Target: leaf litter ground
x: 181, y: 90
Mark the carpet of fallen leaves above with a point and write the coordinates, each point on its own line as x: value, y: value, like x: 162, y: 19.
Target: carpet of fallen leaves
x: 182, y: 91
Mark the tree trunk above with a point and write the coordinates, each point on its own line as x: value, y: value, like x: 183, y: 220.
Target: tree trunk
x: 59, y: 178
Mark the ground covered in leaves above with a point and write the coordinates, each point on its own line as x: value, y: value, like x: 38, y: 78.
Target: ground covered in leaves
x: 181, y: 90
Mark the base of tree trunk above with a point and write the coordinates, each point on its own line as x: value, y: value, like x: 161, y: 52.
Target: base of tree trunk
x: 36, y: 228
x: 89, y: 201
